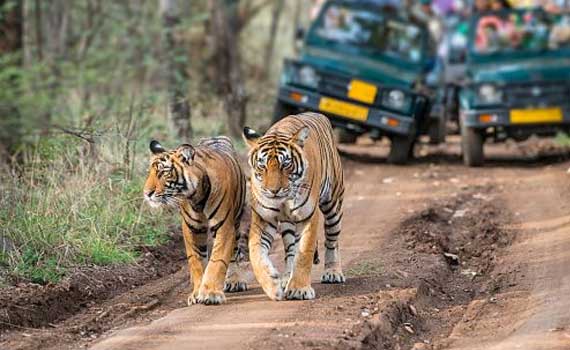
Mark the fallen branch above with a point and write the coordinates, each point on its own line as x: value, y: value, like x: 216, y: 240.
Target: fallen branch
x: 86, y: 136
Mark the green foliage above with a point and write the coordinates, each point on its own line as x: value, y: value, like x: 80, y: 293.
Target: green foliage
x: 62, y: 211
x: 366, y: 269
x: 104, y: 252
x: 562, y: 139
x: 38, y: 269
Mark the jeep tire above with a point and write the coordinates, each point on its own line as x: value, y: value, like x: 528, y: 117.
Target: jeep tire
x: 437, y: 130
x: 401, y: 149
x: 343, y: 135
x: 472, y: 146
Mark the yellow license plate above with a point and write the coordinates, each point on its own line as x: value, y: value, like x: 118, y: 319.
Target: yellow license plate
x: 536, y: 116
x: 362, y: 91
x: 344, y: 109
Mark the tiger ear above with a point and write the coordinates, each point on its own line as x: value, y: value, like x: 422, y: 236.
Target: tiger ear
x: 156, y: 147
x: 186, y: 153
x: 250, y: 137
x: 301, y: 136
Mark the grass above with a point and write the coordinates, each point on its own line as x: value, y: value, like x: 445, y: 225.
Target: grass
x: 562, y: 139
x: 368, y: 268
x: 62, y: 211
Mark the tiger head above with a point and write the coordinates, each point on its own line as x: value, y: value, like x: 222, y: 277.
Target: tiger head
x: 172, y: 175
x: 278, y: 162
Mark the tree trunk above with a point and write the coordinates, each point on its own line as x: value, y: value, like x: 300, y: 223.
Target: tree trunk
x: 297, y: 24
x: 11, y: 26
x: 11, y: 45
x: 269, y: 48
x: 175, y: 69
x: 38, y: 27
x: 225, y: 27
x: 53, y: 38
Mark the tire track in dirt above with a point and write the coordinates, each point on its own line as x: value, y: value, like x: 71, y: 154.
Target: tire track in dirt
x: 534, y: 313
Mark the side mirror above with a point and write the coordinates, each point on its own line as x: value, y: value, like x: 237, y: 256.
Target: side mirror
x: 300, y: 33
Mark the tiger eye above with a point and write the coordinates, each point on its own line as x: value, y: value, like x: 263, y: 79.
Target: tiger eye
x: 260, y: 164
x: 294, y: 176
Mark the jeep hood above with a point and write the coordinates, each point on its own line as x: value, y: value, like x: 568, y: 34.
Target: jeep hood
x: 521, y: 71
x: 367, y: 68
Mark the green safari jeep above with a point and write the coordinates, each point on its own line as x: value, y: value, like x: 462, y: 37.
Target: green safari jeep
x: 518, y: 79
x: 364, y: 68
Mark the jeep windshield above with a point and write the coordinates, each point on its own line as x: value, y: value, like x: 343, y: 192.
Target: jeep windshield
x: 520, y: 33
x: 365, y: 29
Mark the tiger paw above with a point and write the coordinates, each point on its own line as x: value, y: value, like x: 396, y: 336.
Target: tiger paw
x: 303, y: 293
x: 332, y: 276
x: 192, y: 298
x: 277, y: 291
x: 211, y: 298
x: 235, y: 286
x: 236, y: 278
x: 284, y: 280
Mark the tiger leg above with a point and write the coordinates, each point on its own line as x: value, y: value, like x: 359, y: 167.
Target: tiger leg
x: 236, y: 279
x: 261, y: 237
x: 299, y: 286
x: 290, y: 243
x: 333, y: 225
x: 195, y: 242
x: 211, y: 290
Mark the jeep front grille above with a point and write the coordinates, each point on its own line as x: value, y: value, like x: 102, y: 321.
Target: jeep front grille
x: 540, y: 94
x: 333, y: 85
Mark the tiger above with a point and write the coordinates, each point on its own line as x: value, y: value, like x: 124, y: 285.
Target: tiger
x: 207, y: 184
x: 295, y: 169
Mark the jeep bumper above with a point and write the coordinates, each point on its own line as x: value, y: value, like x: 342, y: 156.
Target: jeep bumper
x: 504, y: 117
x: 387, y: 122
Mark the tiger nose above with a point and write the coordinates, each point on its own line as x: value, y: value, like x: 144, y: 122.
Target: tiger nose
x: 274, y: 191
x: 149, y: 194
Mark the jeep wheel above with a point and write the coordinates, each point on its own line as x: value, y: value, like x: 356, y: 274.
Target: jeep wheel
x: 472, y: 146
x: 437, y: 130
x: 282, y: 110
x: 345, y: 136
x: 401, y: 149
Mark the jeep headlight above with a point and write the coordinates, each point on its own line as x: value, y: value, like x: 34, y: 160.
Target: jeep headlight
x: 307, y: 76
x: 396, y: 99
x: 299, y: 74
x: 288, y: 74
x: 489, y: 94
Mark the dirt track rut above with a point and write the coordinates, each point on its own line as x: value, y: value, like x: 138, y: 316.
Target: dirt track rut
x: 536, y: 313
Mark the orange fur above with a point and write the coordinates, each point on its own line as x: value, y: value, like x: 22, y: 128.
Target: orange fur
x: 208, y: 186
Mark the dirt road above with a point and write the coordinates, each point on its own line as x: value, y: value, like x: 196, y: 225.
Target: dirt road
x: 437, y: 256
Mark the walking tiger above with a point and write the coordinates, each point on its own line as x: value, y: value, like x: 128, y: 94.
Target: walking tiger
x: 295, y: 173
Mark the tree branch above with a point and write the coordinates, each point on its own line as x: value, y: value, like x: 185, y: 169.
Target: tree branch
x: 249, y: 12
